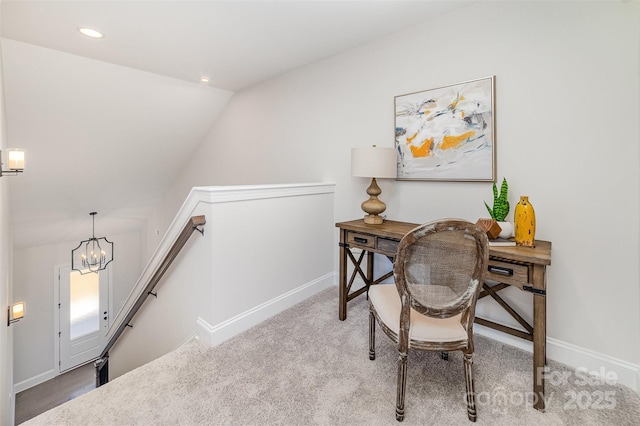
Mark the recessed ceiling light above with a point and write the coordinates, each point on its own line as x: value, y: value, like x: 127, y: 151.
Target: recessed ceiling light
x: 204, y: 80
x: 91, y: 33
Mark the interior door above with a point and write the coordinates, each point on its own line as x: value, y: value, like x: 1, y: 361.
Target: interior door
x: 84, y: 316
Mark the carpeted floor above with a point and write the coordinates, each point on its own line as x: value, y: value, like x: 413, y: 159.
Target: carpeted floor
x: 305, y: 367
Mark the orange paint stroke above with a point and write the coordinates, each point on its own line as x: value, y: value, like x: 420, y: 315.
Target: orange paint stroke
x: 454, y: 104
x: 423, y: 150
x: 449, y: 142
x: 411, y: 138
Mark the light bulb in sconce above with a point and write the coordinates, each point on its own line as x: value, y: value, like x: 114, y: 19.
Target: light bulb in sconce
x: 18, y: 310
x: 15, y: 312
x: 14, y: 160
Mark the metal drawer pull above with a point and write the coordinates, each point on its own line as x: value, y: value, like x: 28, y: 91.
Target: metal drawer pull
x: 360, y: 240
x: 501, y: 271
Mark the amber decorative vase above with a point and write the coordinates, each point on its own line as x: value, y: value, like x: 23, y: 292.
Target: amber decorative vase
x: 524, y: 223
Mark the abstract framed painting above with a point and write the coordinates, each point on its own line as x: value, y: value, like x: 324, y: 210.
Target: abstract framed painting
x: 447, y: 134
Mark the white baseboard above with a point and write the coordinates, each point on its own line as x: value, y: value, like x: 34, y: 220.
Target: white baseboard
x: 189, y: 338
x: 626, y: 373
x: 34, y: 381
x: 214, y: 335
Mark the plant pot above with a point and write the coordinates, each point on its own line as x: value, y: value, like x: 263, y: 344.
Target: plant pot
x: 506, y: 229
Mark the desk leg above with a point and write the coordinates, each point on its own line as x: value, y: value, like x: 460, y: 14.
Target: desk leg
x: 369, y: 270
x: 342, y: 296
x: 539, y: 336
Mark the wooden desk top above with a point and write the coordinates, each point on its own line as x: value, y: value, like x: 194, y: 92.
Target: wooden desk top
x: 540, y: 254
x: 388, y: 228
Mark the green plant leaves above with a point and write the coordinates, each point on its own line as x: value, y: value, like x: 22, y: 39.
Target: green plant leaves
x: 493, y: 216
x: 500, y: 202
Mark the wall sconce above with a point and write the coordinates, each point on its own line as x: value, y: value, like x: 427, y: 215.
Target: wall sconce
x: 374, y: 163
x: 15, y: 162
x: 15, y: 313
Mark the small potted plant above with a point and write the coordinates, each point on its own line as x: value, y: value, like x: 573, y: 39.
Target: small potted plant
x: 500, y: 209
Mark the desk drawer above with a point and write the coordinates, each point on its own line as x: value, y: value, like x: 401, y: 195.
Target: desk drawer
x: 388, y: 246
x: 361, y: 240
x: 508, y: 273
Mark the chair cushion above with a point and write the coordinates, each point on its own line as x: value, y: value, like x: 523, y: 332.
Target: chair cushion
x: 386, y: 301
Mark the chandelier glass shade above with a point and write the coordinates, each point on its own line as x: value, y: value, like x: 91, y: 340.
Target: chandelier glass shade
x: 92, y: 255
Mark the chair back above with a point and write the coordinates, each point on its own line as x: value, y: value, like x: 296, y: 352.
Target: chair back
x: 439, y: 268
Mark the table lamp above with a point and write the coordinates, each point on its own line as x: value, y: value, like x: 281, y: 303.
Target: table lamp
x: 373, y: 163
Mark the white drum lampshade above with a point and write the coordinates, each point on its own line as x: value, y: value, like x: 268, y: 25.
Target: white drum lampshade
x: 373, y: 162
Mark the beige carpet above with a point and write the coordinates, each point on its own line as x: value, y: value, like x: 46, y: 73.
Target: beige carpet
x: 305, y: 367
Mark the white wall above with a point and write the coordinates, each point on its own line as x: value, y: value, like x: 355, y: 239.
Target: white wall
x: 7, y: 401
x: 168, y: 320
x: 263, y: 250
x: 34, y: 284
x: 567, y: 83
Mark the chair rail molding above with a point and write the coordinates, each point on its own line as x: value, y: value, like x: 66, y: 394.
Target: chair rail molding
x: 225, y: 194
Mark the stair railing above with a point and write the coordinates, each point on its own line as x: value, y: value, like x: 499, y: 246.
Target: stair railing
x: 195, y: 223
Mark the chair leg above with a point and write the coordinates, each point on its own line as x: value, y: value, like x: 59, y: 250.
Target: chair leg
x: 471, y: 396
x: 372, y: 336
x: 402, y: 385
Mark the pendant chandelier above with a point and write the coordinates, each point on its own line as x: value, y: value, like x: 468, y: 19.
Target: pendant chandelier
x: 92, y: 255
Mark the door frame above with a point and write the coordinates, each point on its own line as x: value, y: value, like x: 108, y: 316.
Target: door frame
x: 56, y: 310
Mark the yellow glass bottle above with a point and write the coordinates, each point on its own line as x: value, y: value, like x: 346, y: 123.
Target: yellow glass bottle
x: 525, y: 223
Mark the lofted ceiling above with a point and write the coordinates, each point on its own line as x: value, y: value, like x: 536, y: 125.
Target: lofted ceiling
x: 109, y: 123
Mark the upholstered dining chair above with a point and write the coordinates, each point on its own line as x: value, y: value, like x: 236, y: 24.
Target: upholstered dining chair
x: 438, y: 272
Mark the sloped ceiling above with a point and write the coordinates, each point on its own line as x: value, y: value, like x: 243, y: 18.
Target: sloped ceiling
x: 109, y: 123
x: 99, y: 137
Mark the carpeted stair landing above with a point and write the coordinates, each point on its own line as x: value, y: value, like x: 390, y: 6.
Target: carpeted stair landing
x: 305, y: 367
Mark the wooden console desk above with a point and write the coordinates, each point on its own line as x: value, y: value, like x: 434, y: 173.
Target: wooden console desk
x: 521, y: 267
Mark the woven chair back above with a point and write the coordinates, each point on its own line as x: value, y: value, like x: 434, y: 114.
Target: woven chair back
x: 439, y: 266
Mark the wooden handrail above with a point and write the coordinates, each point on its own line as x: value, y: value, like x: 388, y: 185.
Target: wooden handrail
x: 194, y: 224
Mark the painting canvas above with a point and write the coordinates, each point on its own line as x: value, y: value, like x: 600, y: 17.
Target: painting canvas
x: 447, y: 133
